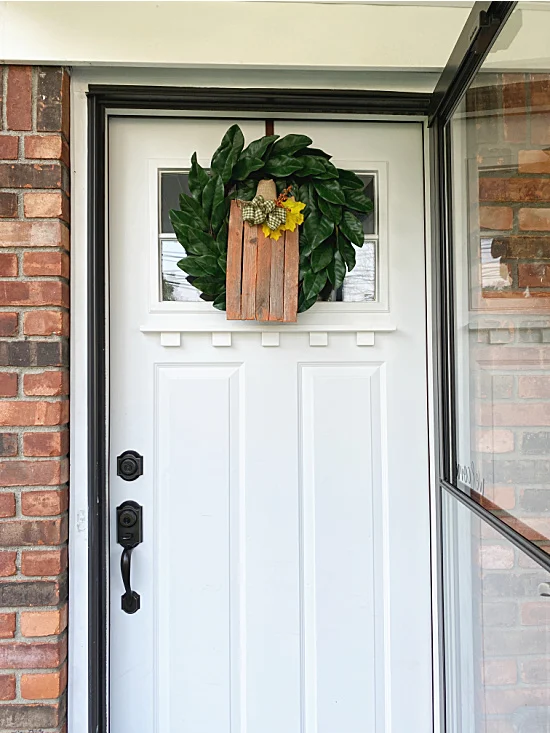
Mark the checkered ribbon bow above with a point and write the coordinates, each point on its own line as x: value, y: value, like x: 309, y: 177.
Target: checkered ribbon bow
x: 259, y: 211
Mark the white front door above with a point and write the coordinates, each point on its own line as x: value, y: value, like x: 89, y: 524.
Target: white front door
x: 284, y: 571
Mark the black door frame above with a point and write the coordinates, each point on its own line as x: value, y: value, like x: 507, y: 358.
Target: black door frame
x: 482, y: 27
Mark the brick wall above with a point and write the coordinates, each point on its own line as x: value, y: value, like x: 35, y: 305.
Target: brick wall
x: 508, y: 140
x: 34, y: 300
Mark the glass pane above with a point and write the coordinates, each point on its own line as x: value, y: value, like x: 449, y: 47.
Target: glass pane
x: 174, y: 280
x: 497, y: 630
x: 172, y: 183
x: 500, y: 139
x: 360, y: 284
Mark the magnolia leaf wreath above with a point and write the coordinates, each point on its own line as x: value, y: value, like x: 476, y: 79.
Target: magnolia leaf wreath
x: 334, y: 202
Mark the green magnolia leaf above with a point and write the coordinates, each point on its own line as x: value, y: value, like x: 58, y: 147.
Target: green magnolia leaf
x: 357, y: 201
x: 322, y: 256
x: 182, y: 217
x: 330, y: 191
x: 245, y: 166
x: 347, y: 251
x: 191, y: 241
x: 312, y: 165
x: 290, y: 144
x: 227, y: 154
x: 212, y: 195
x: 281, y: 165
x: 198, y: 178
x: 349, y: 179
x: 352, y: 228
x: 246, y: 190
x: 316, y: 151
x: 221, y: 238
x: 313, y: 283
x: 333, y: 211
x: 303, y: 304
x: 191, y: 207
x: 258, y: 148
x: 219, y: 301
x: 220, y: 210
x: 222, y: 262
x: 306, y: 194
x: 204, y: 265
x: 317, y: 228
x: 337, y: 270
x: 330, y: 171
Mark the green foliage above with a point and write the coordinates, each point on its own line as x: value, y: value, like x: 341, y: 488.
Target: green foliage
x: 330, y: 232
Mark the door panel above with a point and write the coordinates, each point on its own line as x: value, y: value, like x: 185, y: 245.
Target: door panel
x: 284, y: 572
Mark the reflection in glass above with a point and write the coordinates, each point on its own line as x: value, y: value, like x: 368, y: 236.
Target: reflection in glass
x: 172, y: 183
x: 360, y: 284
x: 497, y: 632
x: 500, y: 142
x: 174, y: 280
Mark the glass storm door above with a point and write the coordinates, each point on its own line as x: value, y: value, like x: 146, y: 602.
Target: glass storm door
x: 284, y: 573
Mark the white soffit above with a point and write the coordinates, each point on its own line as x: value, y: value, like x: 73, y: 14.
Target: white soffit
x: 304, y: 35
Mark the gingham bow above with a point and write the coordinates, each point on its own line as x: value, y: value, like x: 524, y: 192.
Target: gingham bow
x: 259, y: 210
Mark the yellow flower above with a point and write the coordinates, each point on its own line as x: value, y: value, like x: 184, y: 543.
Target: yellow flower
x: 294, y: 217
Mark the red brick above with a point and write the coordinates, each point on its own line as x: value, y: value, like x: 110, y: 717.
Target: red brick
x: 514, y: 414
x: 9, y: 147
x: 34, y: 293
x: 8, y: 205
x: 46, y: 323
x: 538, y: 386
x: 8, y: 324
x: 43, y: 562
x: 496, y: 557
x: 34, y: 234
x: 8, y: 384
x: 33, y: 473
x: 46, y: 384
x: 44, y: 686
x: 494, y: 441
x: 46, y: 444
x: 514, y: 107
x: 537, y: 220
x: 43, y: 503
x: 47, y: 264
x: 535, y: 613
x: 46, y: 147
x: 500, y: 672
x: 34, y: 413
x: 31, y: 175
x: 534, y: 275
x: 7, y: 505
x: 19, y: 98
x: 499, y: 701
x: 8, y: 264
x: 33, y: 656
x: 43, y: 623
x: 514, y: 189
x: 7, y: 687
x: 540, y: 128
x: 8, y: 445
x: 46, y: 206
x: 7, y: 625
x: 534, y: 161
x: 7, y: 563
x: 33, y: 532
x: 496, y: 218
x: 53, y: 103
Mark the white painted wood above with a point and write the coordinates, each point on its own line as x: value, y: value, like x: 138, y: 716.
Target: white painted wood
x: 157, y: 34
x: 284, y: 573
x: 168, y: 338
x: 221, y: 338
x: 318, y: 338
x: 365, y: 338
x: 270, y: 338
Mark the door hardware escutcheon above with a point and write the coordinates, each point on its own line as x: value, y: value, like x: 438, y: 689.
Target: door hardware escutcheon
x: 129, y: 465
x: 129, y: 535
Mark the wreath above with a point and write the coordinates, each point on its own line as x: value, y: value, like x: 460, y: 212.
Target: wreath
x: 334, y: 201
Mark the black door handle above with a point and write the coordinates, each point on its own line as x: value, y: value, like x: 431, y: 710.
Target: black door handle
x: 129, y: 535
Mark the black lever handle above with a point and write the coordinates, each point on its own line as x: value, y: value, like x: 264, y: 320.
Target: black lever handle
x: 129, y: 535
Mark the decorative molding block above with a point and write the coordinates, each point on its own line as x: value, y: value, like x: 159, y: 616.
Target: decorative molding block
x: 221, y: 338
x: 170, y: 338
x: 318, y: 338
x: 270, y: 338
x: 365, y: 338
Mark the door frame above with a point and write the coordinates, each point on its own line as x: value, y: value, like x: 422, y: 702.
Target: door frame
x: 92, y: 105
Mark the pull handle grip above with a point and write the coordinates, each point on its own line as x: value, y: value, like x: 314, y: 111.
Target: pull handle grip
x: 129, y: 535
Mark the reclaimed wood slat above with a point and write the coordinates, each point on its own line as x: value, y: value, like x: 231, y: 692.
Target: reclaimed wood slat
x: 234, y: 263
x: 263, y: 276
x: 250, y: 254
x: 276, y: 288
x: 292, y: 265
